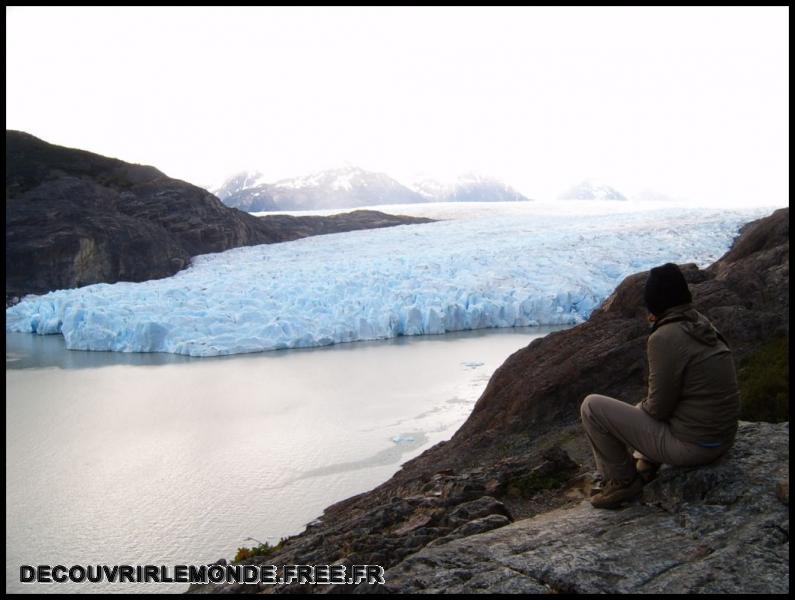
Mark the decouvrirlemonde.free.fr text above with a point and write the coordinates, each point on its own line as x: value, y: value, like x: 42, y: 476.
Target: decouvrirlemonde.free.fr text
x: 198, y: 574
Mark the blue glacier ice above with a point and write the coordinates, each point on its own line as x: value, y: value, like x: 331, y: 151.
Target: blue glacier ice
x: 505, y: 270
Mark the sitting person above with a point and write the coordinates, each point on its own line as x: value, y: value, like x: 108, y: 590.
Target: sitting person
x: 689, y: 416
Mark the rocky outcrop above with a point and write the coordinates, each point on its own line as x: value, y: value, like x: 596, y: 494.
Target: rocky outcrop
x: 431, y: 510
x: 721, y: 528
x: 745, y: 294
x: 350, y: 221
x: 74, y: 218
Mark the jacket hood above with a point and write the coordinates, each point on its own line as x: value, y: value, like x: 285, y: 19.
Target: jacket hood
x: 692, y: 322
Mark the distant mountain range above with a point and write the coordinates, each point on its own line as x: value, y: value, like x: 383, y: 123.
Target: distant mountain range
x: 350, y: 187
x: 468, y: 188
x: 592, y: 190
x: 346, y: 187
x: 246, y: 180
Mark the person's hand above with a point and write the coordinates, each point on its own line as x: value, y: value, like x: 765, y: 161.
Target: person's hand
x: 651, y: 318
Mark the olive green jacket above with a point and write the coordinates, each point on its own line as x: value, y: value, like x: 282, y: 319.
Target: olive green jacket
x: 692, y: 381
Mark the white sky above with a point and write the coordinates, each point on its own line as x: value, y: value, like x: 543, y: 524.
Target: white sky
x: 690, y: 102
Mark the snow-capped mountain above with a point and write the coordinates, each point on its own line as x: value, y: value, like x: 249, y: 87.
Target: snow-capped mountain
x: 592, y: 190
x: 350, y: 187
x: 346, y: 187
x: 254, y: 199
x: 430, y: 189
x: 470, y: 187
x: 238, y: 182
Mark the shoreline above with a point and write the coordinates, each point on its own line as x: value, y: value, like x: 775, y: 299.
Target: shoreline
x: 190, y: 457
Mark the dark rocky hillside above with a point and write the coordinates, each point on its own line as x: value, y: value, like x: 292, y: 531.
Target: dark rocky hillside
x: 74, y: 218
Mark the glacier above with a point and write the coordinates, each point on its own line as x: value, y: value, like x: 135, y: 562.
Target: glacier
x: 524, y: 267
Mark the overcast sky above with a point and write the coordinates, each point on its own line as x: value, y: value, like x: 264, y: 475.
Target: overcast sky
x: 689, y: 102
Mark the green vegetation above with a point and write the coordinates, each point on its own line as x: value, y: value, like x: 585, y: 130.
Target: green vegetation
x: 763, y: 378
x: 263, y: 549
x: 514, y: 444
x: 505, y: 447
x: 531, y: 484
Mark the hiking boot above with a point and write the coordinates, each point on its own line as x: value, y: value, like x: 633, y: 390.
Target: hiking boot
x: 617, y: 491
x: 597, y: 483
x: 647, y: 470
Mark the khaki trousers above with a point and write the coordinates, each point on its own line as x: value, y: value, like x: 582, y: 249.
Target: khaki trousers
x: 616, y: 428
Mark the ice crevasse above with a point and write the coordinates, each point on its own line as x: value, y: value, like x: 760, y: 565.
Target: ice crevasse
x: 501, y: 271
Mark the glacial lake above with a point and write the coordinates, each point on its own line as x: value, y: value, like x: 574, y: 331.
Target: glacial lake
x: 121, y: 458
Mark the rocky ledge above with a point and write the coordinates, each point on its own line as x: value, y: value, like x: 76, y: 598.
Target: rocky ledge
x: 721, y: 528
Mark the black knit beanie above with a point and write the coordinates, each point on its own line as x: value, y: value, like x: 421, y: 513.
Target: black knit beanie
x: 665, y: 288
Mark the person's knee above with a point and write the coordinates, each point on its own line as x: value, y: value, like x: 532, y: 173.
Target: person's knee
x: 586, y: 408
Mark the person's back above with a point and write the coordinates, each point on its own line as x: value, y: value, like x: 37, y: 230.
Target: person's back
x: 692, y: 380
x: 689, y: 416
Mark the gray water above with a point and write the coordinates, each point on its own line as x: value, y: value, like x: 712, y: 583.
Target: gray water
x: 115, y: 458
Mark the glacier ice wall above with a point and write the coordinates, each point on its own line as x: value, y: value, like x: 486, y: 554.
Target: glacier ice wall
x: 495, y: 271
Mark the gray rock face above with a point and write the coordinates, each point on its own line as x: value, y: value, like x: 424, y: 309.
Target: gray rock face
x: 719, y: 528
x: 75, y: 218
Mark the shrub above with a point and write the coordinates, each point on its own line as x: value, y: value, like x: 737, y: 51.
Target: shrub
x: 527, y: 486
x: 763, y: 377
x: 263, y: 549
